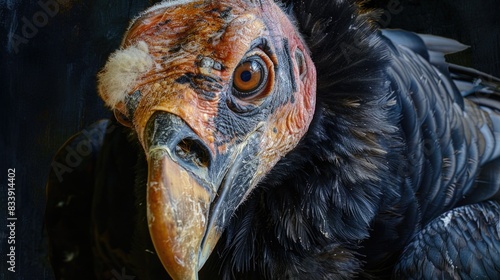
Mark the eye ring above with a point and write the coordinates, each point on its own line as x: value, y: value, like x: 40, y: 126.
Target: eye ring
x: 250, y: 77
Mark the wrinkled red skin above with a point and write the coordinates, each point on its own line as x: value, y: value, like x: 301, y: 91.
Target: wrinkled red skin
x: 246, y: 23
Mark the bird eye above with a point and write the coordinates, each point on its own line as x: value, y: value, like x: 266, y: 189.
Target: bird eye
x: 250, y: 77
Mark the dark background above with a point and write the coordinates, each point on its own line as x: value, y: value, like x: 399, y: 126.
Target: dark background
x: 47, y: 86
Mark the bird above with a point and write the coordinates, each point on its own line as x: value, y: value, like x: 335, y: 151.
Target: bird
x: 261, y: 139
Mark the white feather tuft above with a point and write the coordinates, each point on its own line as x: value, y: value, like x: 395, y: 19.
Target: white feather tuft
x: 123, y: 68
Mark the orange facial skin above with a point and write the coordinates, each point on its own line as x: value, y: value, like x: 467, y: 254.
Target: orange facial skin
x: 181, y: 36
x: 178, y: 47
x: 196, y: 48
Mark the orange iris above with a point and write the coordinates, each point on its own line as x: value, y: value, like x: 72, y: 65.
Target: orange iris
x: 248, y: 77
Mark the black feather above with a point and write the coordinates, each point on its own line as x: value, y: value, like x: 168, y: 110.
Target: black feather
x: 460, y: 244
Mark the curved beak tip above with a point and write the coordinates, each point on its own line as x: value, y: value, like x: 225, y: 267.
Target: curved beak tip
x: 177, y: 209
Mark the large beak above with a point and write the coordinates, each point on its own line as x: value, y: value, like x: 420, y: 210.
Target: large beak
x: 177, y: 215
x: 191, y: 194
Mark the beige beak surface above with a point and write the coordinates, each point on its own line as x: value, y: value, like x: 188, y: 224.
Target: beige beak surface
x: 177, y: 215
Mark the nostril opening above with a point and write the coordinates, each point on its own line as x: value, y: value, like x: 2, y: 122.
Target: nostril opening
x: 192, y: 151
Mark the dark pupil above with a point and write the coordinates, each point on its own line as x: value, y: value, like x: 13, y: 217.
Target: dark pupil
x: 246, y: 76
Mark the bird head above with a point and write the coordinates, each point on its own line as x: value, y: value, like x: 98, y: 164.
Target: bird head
x: 217, y: 92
